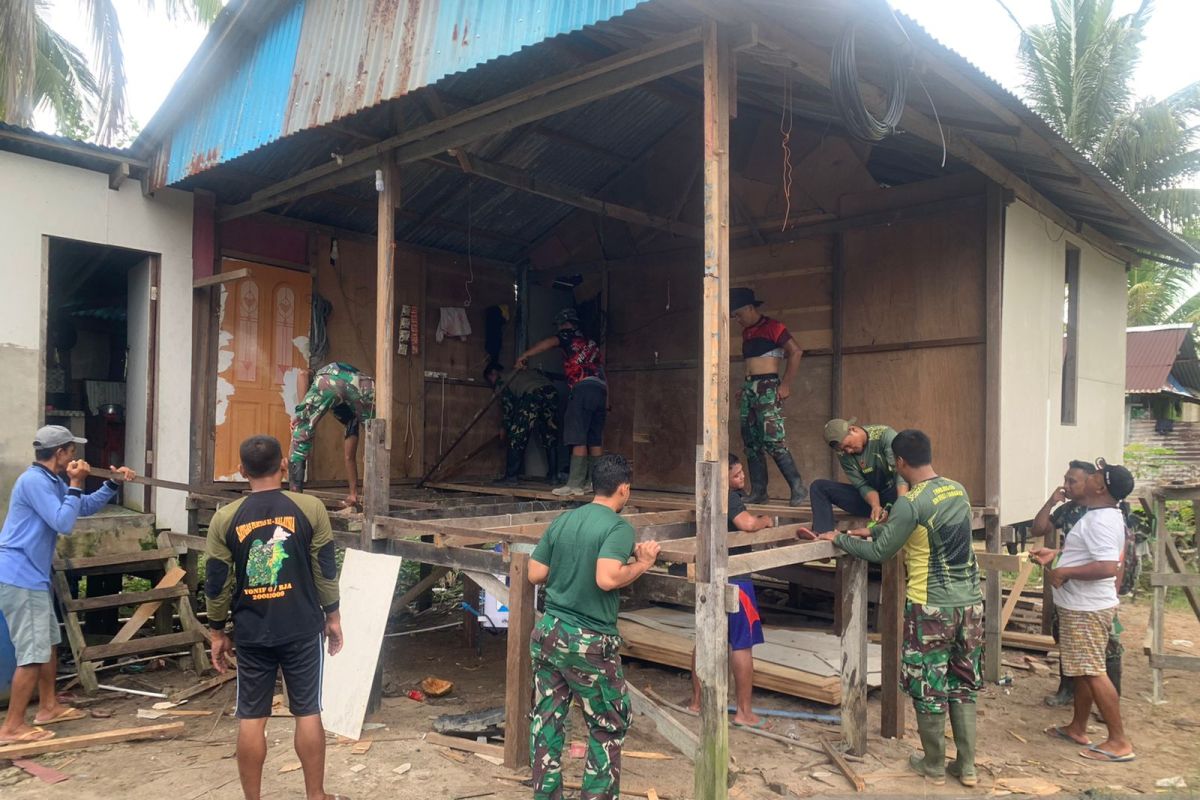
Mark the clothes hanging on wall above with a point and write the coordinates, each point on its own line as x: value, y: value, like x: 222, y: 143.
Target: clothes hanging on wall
x: 453, y: 322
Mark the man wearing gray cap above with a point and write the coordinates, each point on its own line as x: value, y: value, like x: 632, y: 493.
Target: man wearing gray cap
x: 865, y: 453
x: 41, y: 507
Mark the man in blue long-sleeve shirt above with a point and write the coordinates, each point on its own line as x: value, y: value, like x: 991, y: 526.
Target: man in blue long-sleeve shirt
x: 41, y: 507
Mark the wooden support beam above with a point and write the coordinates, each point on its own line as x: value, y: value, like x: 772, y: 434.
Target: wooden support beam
x: 668, y: 727
x: 418, y: 589
x: 543, y: 99
x: 461, y: 558
x: 804, y: 552
x: 853, y: 592
x: 1176, y: 562
x: 221, y: 277
x: 994, y: 222
x: 518, y: 671
x: 118, y: 176
x: 385, y: 301
x: 1158, y: 595
x: 1014, y: 594
x: 683, y: 551
x: 523, y: 181
x: 712, y: 474
x: 891, y: 629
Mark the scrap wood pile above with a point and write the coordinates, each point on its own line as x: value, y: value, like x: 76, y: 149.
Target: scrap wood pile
x: 803, y: 664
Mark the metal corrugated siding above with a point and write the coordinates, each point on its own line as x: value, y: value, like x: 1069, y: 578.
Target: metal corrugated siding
x: 327, y: 59
x: 1149, y: 357
x: 247, y: 110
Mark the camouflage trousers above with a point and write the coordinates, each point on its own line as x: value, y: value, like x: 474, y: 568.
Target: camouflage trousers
x: 335, y: 386
x: 940, y: 660
x: 536, y: 409
x: 761, y: 413
x: 570, y: 662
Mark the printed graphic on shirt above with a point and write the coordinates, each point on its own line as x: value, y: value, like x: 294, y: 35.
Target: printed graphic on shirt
x: 266, y: 559
x: 581, y: 357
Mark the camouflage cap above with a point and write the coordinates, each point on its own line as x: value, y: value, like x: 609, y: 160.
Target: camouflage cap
x: 836, y: 429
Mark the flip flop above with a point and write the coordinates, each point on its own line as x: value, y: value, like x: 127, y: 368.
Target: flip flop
x: 1056, y: 732
x: 1096, y: 754
x: 35, y: 735
x: 66, y: 715
x: 761, y: 725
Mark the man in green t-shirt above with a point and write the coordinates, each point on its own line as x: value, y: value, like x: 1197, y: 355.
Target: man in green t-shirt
x: 943, y: 611
x: 584, y: 560
x: 865, y: 453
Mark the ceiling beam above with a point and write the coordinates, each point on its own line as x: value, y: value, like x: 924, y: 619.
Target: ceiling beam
x: 545, y: 98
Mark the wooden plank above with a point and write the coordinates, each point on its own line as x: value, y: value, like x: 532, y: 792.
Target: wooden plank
x: 366, y: 586
x: 891, y: 627
x: 684, y: 550
x: 203, y: 686
x: 1158, y: 594
x: 1159, y: 661
x: 375, y: 462
x: 221, y: 277
x: 418, y: 589
x: 843, y: 766
x: 668, y: 726
x: 1000, y: 562
x: 126, y: 599
x: 1177, y: 563
x: 465, y: 745
x: 139, y: 561
x: 518, y: 670
x: 854, y: 655
x: 804, y: 552
x: 1174, y: 579
x: 464, y: 558
x: 143, y: 613
x: 147, y: 644
x: 1014, y: 594
x: 60, y: 744
x: 490, y: 584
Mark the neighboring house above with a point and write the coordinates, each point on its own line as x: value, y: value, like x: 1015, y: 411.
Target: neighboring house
x: 95, y: 312
x: 1162, y: 401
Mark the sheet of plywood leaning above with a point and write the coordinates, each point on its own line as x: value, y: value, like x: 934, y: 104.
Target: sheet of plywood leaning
x: 800, y: 663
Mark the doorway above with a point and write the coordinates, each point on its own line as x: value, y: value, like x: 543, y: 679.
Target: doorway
x: 101, y: 333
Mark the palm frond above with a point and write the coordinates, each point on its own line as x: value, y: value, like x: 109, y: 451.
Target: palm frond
x: 202, y: 11
x: 18, y: 59
x: 64, y: 83
x: 110, y: 67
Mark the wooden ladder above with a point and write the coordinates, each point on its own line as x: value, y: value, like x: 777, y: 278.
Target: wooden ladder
x: 170, y: 589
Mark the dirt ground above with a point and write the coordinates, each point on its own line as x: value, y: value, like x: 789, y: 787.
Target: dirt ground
x: 1014, y: 754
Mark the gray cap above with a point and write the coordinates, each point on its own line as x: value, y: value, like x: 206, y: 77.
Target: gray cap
x: 55, y: 436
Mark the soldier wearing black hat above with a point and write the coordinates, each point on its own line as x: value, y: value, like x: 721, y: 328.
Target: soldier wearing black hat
x: 767, y: 349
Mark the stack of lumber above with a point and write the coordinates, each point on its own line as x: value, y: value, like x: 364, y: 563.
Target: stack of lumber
x: 804, y: 664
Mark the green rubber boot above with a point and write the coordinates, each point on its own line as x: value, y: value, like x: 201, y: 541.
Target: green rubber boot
x: 932, y: 729
x: 574, y: 484
x: 962, y: 722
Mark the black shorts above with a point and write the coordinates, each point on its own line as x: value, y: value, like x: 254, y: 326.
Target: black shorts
x: 587, y: 409
x: 302, y: 661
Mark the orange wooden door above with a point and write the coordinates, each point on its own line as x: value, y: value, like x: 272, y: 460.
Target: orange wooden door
x: 262, y: 358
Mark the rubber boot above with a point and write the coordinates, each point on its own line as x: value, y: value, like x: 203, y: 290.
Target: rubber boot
x: 756, y: 468
x: 551, y: 464
x: 932, y: 730
x: 296, y: 476
x: 1065, y: 696
x: 514, y: 460
x: 962, y: 722
x: 791, y: 474
x: 587, y: 476
x: 574, y: 485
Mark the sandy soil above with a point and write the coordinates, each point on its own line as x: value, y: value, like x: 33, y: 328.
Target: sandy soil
x: 1013, y: 751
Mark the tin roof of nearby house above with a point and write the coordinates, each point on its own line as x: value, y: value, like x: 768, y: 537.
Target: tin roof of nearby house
x: 1154, y: 352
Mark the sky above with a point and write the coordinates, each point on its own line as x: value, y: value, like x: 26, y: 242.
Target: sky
x: 157, y: 49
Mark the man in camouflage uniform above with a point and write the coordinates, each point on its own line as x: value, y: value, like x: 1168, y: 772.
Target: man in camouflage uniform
x: 943, y: 612
x: 341, y: 388
x: 1061, y: 511
x: 767, y: 346
x: 528, y: 402
x: 584, y: 561
x: 865, y: 453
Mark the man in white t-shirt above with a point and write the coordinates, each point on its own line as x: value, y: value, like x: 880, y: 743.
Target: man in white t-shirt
x: 1085, y: 592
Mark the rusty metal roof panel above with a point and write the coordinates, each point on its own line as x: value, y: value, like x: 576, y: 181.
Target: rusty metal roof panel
x: 322, y: 60
x: 1150, y: 353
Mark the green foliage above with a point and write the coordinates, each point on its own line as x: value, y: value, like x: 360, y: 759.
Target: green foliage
x: 1146, y: 461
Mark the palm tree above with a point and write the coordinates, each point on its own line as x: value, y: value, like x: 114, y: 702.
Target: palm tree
x: 41, y: 69
x: 1078, y: 76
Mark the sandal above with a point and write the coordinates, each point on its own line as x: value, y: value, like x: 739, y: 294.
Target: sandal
x: 35, y: 735
x: 66, y: 715
x: 1057, y: 732
x: 1096, y: 754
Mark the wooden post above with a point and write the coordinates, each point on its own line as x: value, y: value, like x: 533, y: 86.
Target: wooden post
x: 853, y: 590
x: 993, y: 304
x: 376, y: 483
x: 891, y: 628
x: 712, y: 474
x: 1051, y: 541
x: 839, y: 316
x: 1159, y: 598
x: 518, y: 670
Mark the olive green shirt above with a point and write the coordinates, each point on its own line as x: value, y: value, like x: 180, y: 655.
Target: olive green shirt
x: 932, y: 523
x: 874, y: 469
x: 570, y: 548
x: 524, y: 381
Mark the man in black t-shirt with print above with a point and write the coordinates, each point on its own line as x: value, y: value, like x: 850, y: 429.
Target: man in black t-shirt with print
x: 272, y: 567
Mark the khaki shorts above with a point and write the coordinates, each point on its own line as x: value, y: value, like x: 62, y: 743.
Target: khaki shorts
x: 1083, y: 640
x: 32, y: 625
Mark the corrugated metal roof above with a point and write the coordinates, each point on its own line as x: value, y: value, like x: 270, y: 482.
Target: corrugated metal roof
x: 326, y: 59
x: 1150, y: 354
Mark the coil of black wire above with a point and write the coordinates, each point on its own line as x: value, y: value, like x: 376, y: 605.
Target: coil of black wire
x: 847, y: 98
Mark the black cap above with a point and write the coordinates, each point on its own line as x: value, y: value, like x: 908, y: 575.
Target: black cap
x: 742, y: 297
x: 1117, y: 479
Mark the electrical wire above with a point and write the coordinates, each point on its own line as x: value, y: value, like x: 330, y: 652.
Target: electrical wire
x: 847, y: 99
x: 785, y: 133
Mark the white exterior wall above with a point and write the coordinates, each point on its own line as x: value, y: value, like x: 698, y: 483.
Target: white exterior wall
x: 40, y: 199
x: 1035, y: 446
